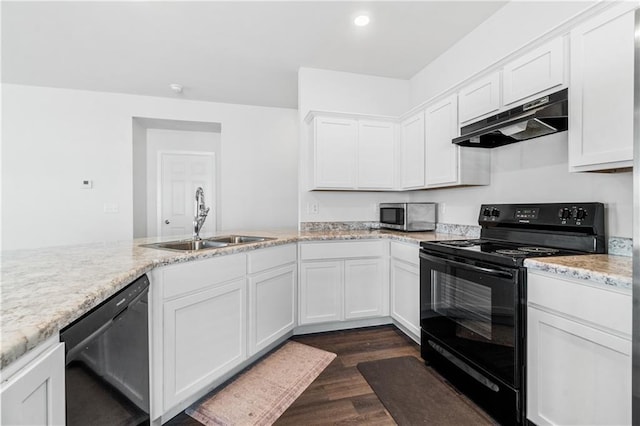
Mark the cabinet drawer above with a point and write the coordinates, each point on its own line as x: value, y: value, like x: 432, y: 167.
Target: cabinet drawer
x: 409, y: 253
x: 343, y: 249
x: 192, y: 276
x: 267, y: 258
x: 603, y: 307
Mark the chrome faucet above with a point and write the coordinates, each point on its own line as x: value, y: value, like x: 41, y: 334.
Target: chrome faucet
x: 200, y: 213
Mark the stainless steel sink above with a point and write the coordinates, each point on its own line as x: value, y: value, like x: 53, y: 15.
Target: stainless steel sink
x: 238, y: 239
x: 209, y: 243
x: 187, y: 245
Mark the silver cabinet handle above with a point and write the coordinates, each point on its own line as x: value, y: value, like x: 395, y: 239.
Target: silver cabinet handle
x: 167, y: 221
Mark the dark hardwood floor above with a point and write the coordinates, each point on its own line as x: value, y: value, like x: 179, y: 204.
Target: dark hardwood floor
x: 340, y: 394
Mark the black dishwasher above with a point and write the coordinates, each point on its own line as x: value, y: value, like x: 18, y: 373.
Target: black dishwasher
x: 107, y: 361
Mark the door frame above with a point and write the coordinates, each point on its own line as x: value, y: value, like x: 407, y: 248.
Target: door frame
x: 212, y: 183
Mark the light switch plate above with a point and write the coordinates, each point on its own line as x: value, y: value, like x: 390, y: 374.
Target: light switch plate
x: 86, y: 184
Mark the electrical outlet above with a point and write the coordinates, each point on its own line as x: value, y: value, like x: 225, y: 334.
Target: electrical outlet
x: 313, y: 208
x: 111, y: 208
x: 441, y: 210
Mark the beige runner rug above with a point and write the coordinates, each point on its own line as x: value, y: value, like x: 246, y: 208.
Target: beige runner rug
x: 261, y: 394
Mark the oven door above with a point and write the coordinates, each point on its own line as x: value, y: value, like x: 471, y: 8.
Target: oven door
x: 471, y: 312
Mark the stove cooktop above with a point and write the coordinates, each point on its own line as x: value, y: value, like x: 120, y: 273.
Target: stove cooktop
x: 504, y: 252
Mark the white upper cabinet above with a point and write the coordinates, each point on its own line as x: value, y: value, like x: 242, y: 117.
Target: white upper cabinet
x: 351, y: 153
x: 601, y: 93
x: 534, y: 72
x: 412, y: 152
x: 376, y: 149
x: 480, y: 98
x: 334, y: 153
x: 447, y: 164
x: 441, y: 126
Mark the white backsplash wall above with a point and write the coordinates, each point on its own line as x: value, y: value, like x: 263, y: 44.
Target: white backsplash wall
x: 536, y: 171
x: 54, y: 138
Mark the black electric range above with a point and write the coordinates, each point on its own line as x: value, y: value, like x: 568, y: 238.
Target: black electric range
x: 473, y: 296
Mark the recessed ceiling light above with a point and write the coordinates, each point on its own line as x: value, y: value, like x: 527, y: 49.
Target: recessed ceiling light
x: 361, y: 20
x: 177, y: 88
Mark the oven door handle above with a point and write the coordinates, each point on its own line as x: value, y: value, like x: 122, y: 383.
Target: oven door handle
x: 488, y: 271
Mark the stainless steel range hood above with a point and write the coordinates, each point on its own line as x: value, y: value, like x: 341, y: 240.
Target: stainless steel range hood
x: 540, y: 117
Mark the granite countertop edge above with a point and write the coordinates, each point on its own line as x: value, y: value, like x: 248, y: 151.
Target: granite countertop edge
x: 19, y: 335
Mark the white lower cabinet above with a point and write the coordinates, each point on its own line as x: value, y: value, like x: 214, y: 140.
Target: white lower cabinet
x: 364, y: 288
x: 578, y: 353
x: 343, y: 281
x: 404, y: 286
x: 199, y: 329
x: 321, y: 289
x: 272, y: 295
x: 204, y: 336
x: 34, y: 395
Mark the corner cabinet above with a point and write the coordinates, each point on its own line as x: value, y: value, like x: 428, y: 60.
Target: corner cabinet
x: 601, y: 94
x: 578, y: 354
x: 343, y: 281
x: 447, y: 164
x: 351, y: 154
x: 34, y: 395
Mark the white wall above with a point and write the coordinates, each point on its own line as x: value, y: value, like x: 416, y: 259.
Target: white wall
x: 323, y: 90
x: 54, y: 138
x: 180, y: 140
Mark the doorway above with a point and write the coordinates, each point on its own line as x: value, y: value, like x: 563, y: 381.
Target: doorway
x: 191, y: 152
x: 181, y: 173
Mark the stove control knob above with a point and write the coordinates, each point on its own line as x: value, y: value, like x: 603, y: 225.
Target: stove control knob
x: 564, y: 213
x: 486, y: 212
x: 581, y: 214
x: 495, y: 212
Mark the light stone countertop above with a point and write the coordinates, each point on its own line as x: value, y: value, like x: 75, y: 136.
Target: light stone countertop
x: 603, y: 269
x: 44, y: 290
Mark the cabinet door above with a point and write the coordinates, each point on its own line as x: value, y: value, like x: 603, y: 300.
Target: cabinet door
x: 534, y: 72
x: 405, y: 295
x: 480, y: 98
x: 441, y: 126
x: 271, y: 306
x: 35, y: 395
x: 576, y: 374
x: 335, y: 153
x: 412, y: 152
x: 321, y: 286
x: 365, y: 288
x: 204, y: 337
x: 375, y: 154
x: 601, y: 95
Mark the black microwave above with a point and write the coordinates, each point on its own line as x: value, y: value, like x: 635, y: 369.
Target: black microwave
x: 408, y: 216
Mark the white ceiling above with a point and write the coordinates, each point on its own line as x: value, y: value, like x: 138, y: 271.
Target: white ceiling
x: 236, y: 52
